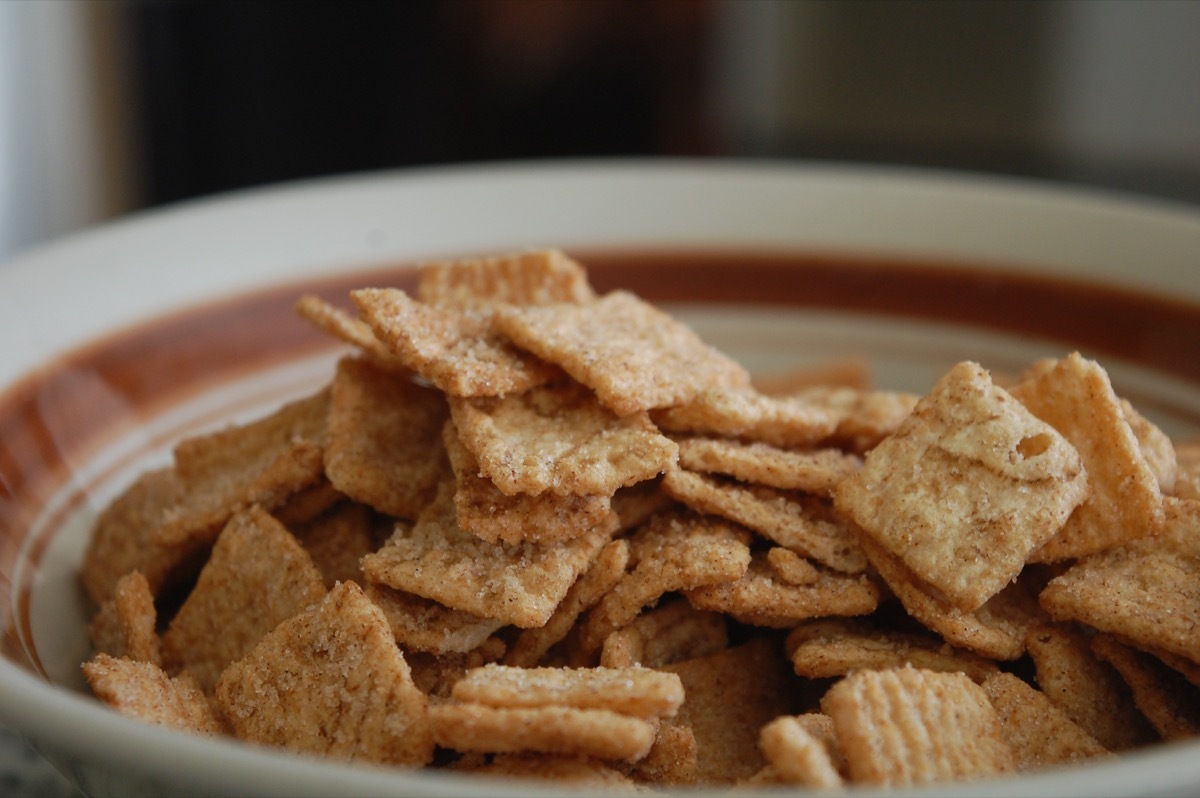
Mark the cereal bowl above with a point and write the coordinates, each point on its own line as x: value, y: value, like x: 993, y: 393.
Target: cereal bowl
x: 122, y: 340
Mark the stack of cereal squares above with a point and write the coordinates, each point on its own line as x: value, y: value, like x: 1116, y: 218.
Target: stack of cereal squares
x: 532, y: 531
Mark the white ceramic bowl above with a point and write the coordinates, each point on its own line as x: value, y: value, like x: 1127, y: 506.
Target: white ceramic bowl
x: 121, y: 339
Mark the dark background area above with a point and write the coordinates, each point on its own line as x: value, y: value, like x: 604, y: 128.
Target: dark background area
x: 231, y: 94
x: 226, y: 94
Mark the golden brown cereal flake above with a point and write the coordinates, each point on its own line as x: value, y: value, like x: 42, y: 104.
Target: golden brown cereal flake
x: 383, y: 446
x: 420, y: 624
x: 966, y: 488
x: 599, y: 733
x: 996, y: 630
x: 459, y: 351
x: 264, y: 462
x: 906, y: 726
x: 729, y: 696
x: 783, y: 517
x: 538, y: 277
x: 1155, y: 445
x: 336, y: 322
x: 797, y: 756
x: 636, y: 691
x: 633, y: 355
x: 1039, y: 733
x: 836, y: 646
x: 1074, y: 395
x: 862, y: 418
x: 122, y: 539
x: 520, y: 585
x: 605, y: 571
x: 486, y: 512
x: 1088, y: 690
x: 1148, y: 594
x: 142, y: 690
x: 672, y: 758
x: 813, y: 471
x: 125, y: 625
x: 1168, y: 700
x: 337, y: 540
x: 750, y: 416
x: 255, y: 563
x: 330, y: 681
x: 672, y: 552
x: 559, y: 438
x: 759, y: 594
x: 670, y: 632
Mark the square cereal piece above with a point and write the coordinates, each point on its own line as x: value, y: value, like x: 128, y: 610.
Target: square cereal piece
x: 459, y: 351
x: 758, y: 594
x: 1087, y: 689
x: 671, y: 760
x: 491, y: 515
x: 640, y: 692
x: 336, y: 322
x: 966, y: 488
x: 672, y: 631
x: 531, y: 645
x: 306, y: 504
x: 905, y: 726
x: 834, y: 647
x: 330, y: 681
x: 633, y: 355
x: 257, y: 576
x: 812, y: 471
x: 264, y: 462
x: 1156, y: 447
x: 142, y: 690
x: 1039, y: 733
x: 420, y: 624
x: 435, y: 674
x: 729, y: 696
x: 122, y: 539
x: 1074, y: 396
x: 568, y: 731
x: 126, y: 623
x: 862, y: 417
x: 798, y: 756
x: 996, y: 630
x: 236, y: 457
x: 788, y: 519
x: 559, y: 438
x: 337, y: 540
x: 1148, y: 592
x: 383, y: 446
x: 519, y: 585
x: 537, y: 277
x: 742, y: 413
x: 671, y: 552
x: 1167, y: 699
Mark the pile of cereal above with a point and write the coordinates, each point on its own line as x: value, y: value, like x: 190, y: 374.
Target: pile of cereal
x: 532, y: 531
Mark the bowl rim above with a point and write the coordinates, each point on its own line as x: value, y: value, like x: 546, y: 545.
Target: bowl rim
x: 1045, y: 211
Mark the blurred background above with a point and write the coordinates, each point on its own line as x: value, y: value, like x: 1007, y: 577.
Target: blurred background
x: 108, y: 106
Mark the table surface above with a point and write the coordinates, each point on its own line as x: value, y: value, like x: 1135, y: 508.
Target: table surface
x: 25, y: 774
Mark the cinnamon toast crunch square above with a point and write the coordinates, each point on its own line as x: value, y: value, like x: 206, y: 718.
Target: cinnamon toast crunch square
x: 330, y: 681
x: 968, y: 486
x: 633, y: 355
